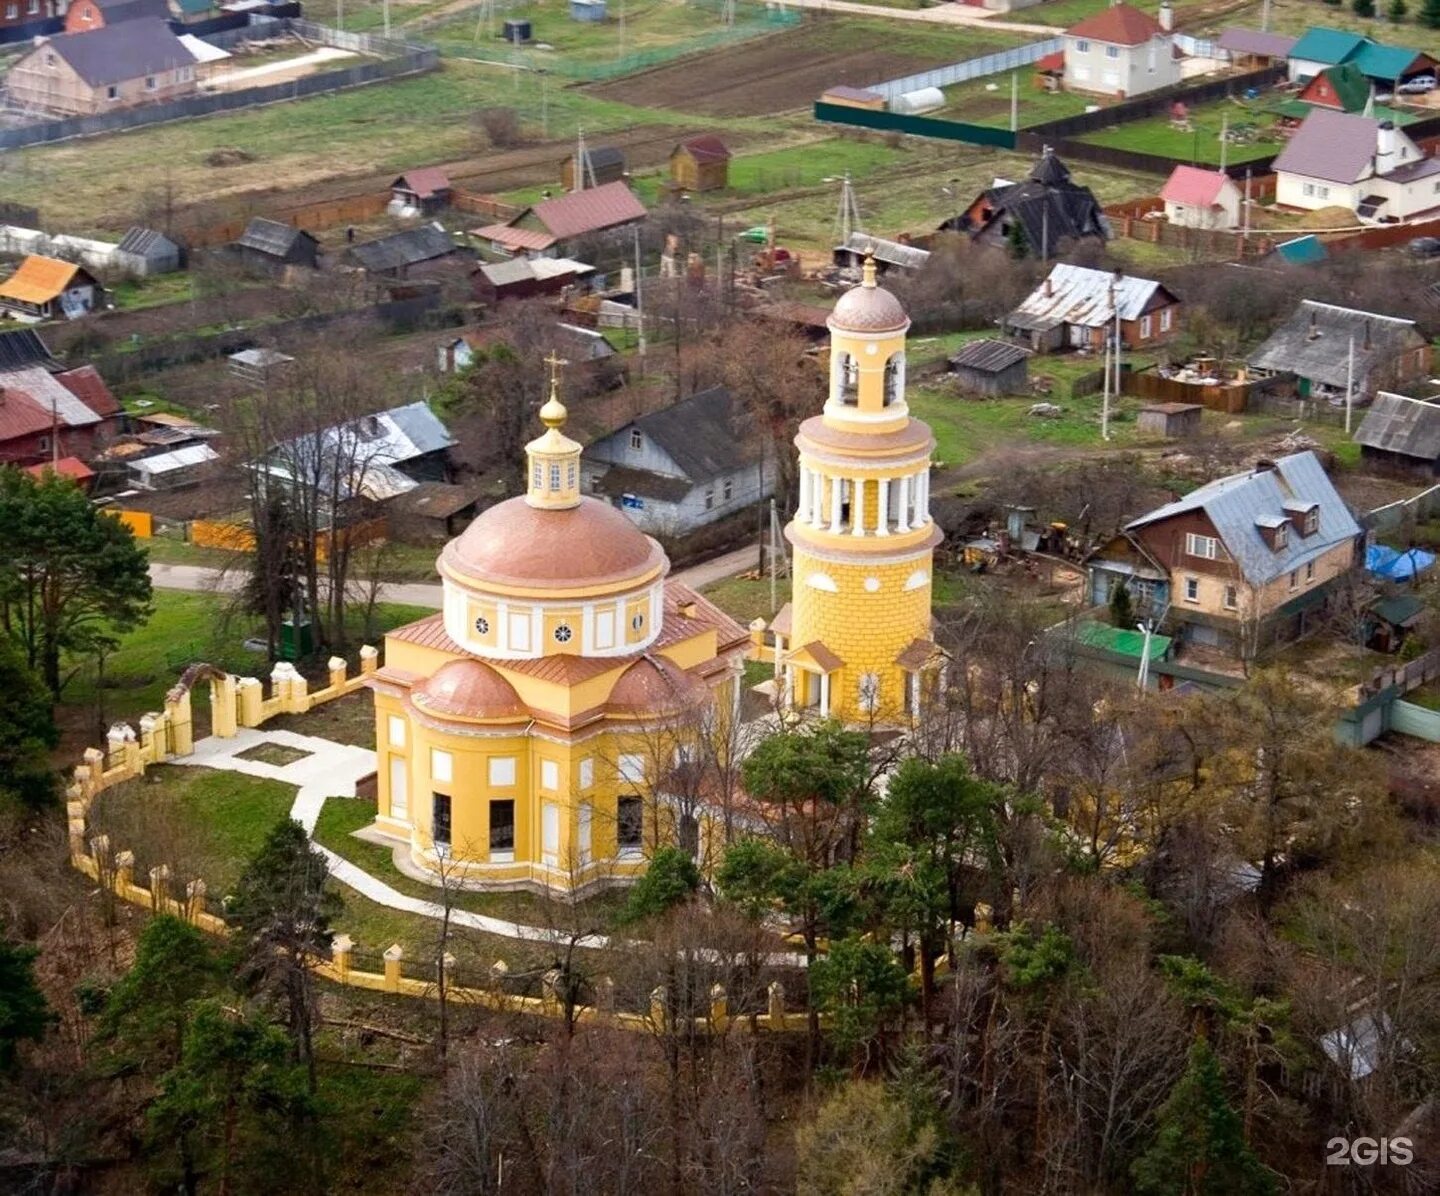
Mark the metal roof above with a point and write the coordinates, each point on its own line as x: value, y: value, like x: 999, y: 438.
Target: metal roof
x: 1235, y: 504
x: 1194, y: 186
x: 1397, y: 424
x: 1089, y: 298
x: 406, y: 248
x: 427, y: 182
x: 709, y: 148
x: 1255, y: 41
x: 49, y: 393
x: 181, y: 458
x: 989, y: 356
x: 1319, y: 44
x: 268, y: 236
x: 1124, y: 641
x: 121, y: 52
x: 588, y: 211
x: 1387, y: 63
x: 1336, y: 146
x: 892, y: 253
x: 600, y: 157
x: 21, y: 347
x: 703, y: 434
x: 1118, y: 25
x: 141, y: 241
x: 1315, y: 343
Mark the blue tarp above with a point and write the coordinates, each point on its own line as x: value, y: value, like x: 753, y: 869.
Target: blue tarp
x: 1386, y: 563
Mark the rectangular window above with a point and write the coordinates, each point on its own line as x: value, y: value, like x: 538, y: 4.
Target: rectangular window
x: 502, y: 828
x: 604, y: 628
x: 1309, y: 570
x: 1205, y: 547
x: 1282, y: 536
x: 630, y: 825
x: 727, y: 490
x: 1112, y: 51
x: 399, y: 788
x: 1192, y: 589
x: 396, y: 731
x: 550, y: 834
x: 1082, y: 47
x: 637, y: 440
x: 1232, y: 598
x: 11, y: 12
x: 1144, y: 327
x: 1323, y: 192
x: 549, y: 775
x: 442, y: 766
x: 1312, y: 521
x: 632, y: 769
x: 112, y: 92
x: 1294, y: 579
x: 587, y: 772
x: 33, y: 7
x: 1165, y: 317
x: 502, y: 771
x: 520, y: 633
x: 710, y: 498
x: 570, y: 476
x: 537, y: 476
x: 440, y: 819
x: 555, y: 476
x: 149, y: 82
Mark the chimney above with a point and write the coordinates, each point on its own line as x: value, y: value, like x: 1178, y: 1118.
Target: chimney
x: 1366, y: 344
x: 1314, y: 332
x: 1264, y: 465
x: 1167, y: 16
x: 1049, y: 288
x: 1385, y: 148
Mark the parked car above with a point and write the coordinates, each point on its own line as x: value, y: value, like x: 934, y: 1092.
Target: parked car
x: 1423, y: 247
x: 1417, y: 86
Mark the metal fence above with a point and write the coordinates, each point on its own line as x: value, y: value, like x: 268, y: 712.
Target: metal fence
x: 406, y: 60
x: 918, y: 126
x: 972, y: 68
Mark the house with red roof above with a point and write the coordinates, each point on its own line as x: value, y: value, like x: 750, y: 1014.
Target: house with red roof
x: 424, y: 190
x: 45, y: 413
x: 542, y: 229
x: 1199, y: 198
x: 1122, y: 52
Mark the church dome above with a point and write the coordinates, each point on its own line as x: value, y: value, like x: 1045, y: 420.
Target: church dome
x: 654, y: 685
x: 467, y: 689
x: 516, y: 544
x: 868, y: 308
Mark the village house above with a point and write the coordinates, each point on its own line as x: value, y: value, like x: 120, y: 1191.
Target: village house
x: 676, y: 470
x: 1320, y: 48
x: 1199, y: 198
x: 1122, y: 52
x: 423, y: 190
x: 1079, y: 308
x: 1401, y: 436
x: 1251, y: 49
x: 1333, y: 349
x: 1048, y: 206
x: 47, y: 412
x: 700, y: 164
x: 1244, y: 562
x: 270, y: 246
x: 396, y: 255
x: 524, y: 278
x: 45, y: 288
x: 1369, y: 166
x: 603, y: 164
x: 86, y: 16
x: 545, y: 228
x: 23, y: 19
x: 992, y: 367
x: 117, y: 66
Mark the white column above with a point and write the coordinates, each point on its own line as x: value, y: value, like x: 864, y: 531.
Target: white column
x: 857, y: 508
x: 914, y: 695
x: 817, y: 500
x: 802, y: 503
x: 925, y: 497
x: 835, y: 485
x: 882, y: 523
x: 824, y: 695
x: 903, y: 523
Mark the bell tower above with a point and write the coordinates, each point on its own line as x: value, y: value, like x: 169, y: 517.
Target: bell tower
x: 855, y: 642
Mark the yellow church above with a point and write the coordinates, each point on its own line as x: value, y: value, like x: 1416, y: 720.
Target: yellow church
x: 855, y: 642
x: 524, y: 733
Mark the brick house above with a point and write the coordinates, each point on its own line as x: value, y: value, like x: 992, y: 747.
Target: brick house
x: 86, y: 16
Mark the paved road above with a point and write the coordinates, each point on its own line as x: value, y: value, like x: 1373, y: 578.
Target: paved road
x: 204, y: 577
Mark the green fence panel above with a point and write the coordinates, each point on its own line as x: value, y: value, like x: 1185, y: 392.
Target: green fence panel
x: 916, y: 126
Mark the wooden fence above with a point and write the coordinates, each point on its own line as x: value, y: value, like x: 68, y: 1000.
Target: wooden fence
x: 312, y: 217
x: 482, y: 205
x: 240, y: 537
x: 1210, y: 242
x: 1230, y: 399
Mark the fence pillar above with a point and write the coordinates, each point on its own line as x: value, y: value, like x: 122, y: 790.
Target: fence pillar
x: 149, y: 752
x: 393, y: 955
x: 281, y: 677
x: 719, y: 1008
x: 338, y: 670
x: 195, y: 899
x: 124, y: 750
x: 222, y: 706
x: 249, y: 701
x: 182, y: 724
x: 499, y: 970
x: 124, y: 871
x: 100, y: 853
x: 75, y: 818
x: 775, y: 1001
x: 159, y: 878
x: 369, y: 659
x: 340, y: 949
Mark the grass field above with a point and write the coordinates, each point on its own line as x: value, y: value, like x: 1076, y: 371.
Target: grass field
x: 987, y: 102
x: 1201, y: 144
x: 1064, y: 13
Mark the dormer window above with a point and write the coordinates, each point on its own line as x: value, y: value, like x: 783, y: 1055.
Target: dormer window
x: 1282, y: 537
x: 1312, y: 522
x: 1305, y: 516
x: 1275, y: 530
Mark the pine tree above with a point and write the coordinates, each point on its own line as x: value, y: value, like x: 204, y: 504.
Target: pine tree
x: 1430, y: 14
x: 1200, y: 1147
x: 1397, y: 11
x: 1363, y: 8
x: 671, y: 880
x: 23, y: 1012
x: 27, y: 732
x: 1019, y: 242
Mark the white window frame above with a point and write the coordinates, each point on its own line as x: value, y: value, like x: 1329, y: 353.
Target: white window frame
x: 399, y: 788
x: 1112, y: 51
x: 604, y: 629
x: 1282, y: 536
x: 1082, y: 47
x: 518, y: 631
x: 637, y: 440
x: 1232, y: 597
x: 1144, y: 327
x: 1165, y: 317
x: 500, y: 772
x: 442, y: 766
x: 587, y: 772
x: 1205, y: 548
x: 1192, y: 589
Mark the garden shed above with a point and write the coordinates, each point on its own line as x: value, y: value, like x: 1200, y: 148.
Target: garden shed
x: 992, y: 367
x: 604, y: 164
x: 701, y: 164
x: 1171, y: 420
x: 146, y: 251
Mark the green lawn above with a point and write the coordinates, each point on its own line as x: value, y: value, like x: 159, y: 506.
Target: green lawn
x: 1064, y: 13
x: 987, y: 102
x: 1201, y: 144
x: 745, y: 600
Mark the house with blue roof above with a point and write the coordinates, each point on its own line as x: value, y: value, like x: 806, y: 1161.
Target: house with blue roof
x: 1385, y: 66
x: 1241, y: 564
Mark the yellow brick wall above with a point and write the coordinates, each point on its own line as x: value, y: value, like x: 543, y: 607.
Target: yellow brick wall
x: 866, y: 628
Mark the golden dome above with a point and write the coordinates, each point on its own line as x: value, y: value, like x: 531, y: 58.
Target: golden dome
x: 516, y: 544
x: 868, y: 307
x: 467, y: 689
x: 654, y: 685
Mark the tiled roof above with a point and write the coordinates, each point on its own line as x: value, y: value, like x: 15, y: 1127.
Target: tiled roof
x: 425, y: 181
x: 589, y: 211
x: 1118, y: 25
x: 1193, y: 186
x: 39, y: 279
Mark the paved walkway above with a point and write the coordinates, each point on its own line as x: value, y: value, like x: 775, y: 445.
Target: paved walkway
x: 227, y: 581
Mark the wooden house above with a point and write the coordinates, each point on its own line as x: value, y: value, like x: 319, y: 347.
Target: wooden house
x: 46, y: 288
x: 1079, y: 308
x: 603, y: 164
x: 700, y: 164
x: 424, y: 190
x: 992, y: 367
x: 270, y: 245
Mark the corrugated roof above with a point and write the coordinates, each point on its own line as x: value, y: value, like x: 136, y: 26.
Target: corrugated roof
x: 1125, y: 641
x: 1336, y: 146
x: 120, y: 52
x: 50, y: 395
x: 181, y: 458
x: 427, y: 182
x: 515, y: 238
x: 66, y: 467
x: 1320, y: 44
x: 1387, y: 63
x: 1351, y: 87
x: 1118, y: 25
x: 588, y: 211
x: 1257, y: 42
x: 1089, y: 298
x: 269, y: 236
x: 1303, y: 251
x: 20, y: 415
x: 141, y: 241
x: 1233, y: 504
x: 1315, y: 343
x: 39, y: 279
x: 86, y: 384
x: 406, y: 248
x: 842, y: 91
x: 22, y: 347
x: 1397, y: 424
x: 1193, y: 186
x: 892, y: 253
x: 990, y: 356
x: 709, y: 148
x: 703, y: 434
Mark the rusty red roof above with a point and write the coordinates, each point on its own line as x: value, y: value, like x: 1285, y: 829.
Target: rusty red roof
x: 589, y: 211
x: 20, y: 415
x: 86, y: 384
x: 515, y: 238
x: 706, y: 148
x: 66, y: 467
x: 1051, y: 62
x: 1118, y: 25
x: 425, y: 181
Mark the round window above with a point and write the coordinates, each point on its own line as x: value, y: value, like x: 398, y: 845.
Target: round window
x: 563, y: 633
x: 482, y: 625
x: 637, y: 622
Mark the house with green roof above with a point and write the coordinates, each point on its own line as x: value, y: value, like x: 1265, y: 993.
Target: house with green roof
x: 1320, y: 49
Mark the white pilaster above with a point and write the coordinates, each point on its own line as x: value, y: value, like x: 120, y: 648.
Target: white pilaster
x: 903, y: 523
x: 824, y: 695
x: 882, y: 521
x: 857, y: 508
x: 925, y: 497
x: 835, y: 485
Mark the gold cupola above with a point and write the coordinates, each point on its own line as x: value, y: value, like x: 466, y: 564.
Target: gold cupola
x: 553, y: 458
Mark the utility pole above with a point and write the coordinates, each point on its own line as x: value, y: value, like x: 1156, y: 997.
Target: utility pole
x: 385, y: 8
x: 1245, y: 213
x: 639, y: 309
x: 774, y: 565
x: 1105, y: 388
x: 1224, y: 140
x: 544, y: 104
x: 1014, y: 101
x: 1349, y: 383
